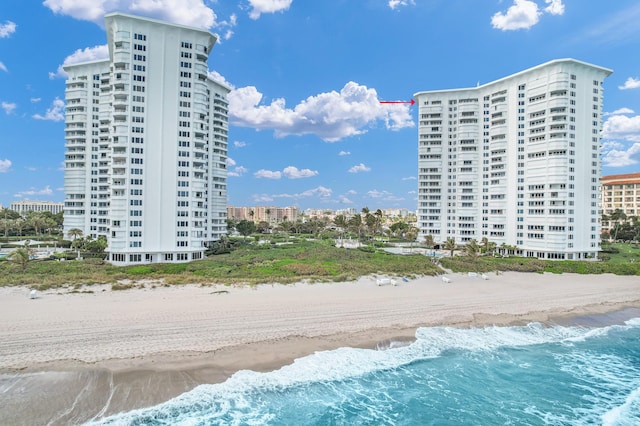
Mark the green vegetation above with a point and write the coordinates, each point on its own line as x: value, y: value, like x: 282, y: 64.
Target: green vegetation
x: 618, y: 259
x: 287, y: 259
x: 248, y: 263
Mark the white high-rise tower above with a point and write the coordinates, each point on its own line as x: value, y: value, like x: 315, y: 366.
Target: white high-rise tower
x: 146, y: 138
x: 515, y: 161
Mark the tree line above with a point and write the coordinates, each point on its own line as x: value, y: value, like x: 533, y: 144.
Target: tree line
x: 33, y: 223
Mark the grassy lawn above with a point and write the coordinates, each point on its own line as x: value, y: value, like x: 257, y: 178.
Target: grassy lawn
x: 621, y: 253
x: 315, y: 261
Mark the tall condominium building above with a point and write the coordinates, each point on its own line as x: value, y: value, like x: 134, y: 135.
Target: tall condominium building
x: 620, y: 192
x: 146, y: 143
x: 25, y: 206
x: 516, y: 161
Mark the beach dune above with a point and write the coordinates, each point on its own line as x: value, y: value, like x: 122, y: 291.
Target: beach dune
x: 71, y: 357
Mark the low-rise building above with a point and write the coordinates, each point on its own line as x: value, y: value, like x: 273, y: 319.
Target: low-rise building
x: 620, y: 192
x: 25, y: 206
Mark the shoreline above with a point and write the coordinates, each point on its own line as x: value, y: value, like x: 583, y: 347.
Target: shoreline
x: 69, y: 341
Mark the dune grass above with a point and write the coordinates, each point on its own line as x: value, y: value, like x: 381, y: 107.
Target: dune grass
x: 251, y: 264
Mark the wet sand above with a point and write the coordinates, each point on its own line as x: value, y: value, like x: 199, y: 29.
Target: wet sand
x: 66, y: 358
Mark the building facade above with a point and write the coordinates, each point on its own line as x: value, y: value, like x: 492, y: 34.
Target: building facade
x: 146, y: 143
x: 516, y: 161
x: 25, y: 206
x: 269, y: 214
x: 620, y: 192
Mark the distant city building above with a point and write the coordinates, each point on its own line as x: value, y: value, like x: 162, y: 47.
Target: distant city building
x: 146, y: 143
x: 25, y: 206
x: 516, y: 161
x: 620, y: 192
x: 269, y: 214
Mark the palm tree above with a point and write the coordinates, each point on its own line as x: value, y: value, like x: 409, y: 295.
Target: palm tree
x: 411, y: 235
x: 371, y: 222
x: 379, y: 217
x: 6, y: 224
x: 251, y: 214
x: 491, y: 247
x: 19, y: 225
x: 472, y: 248
x: 75, y: 233
x: 341, y: 222
x: 20, y: 256
x: 355, y: 224
x: 485, y: 244
x: 429, y: 242
x: 450, y: 244
x: 268, y: 213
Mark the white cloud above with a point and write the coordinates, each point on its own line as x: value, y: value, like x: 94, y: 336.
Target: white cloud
x: 621, y: 144
x: 383, y: 195
x: 319, y: 192
x: 7, y: 29
x: 393, y: 4
x: 290, y: 172
x: 8, y: 107
x: 267, y: 174
x: 622, y: 127
x: 619, y: 112
x: 331, y: 116
x: 622, y: 157
x: 631, y: 83
x: 3, y: 67
x: 409, y: 178
x: 359, y: 168
x: 267, y: 6
x: 32, y: 191
x: 31, y: 169
x: 343, y: 153
x: 294, y: 173
x: 344, y: 200
x: 239, y: 144
x: 216, y: 76
x: 232, y: 22
x: 237, y: 171
x: 96, y: 53
x: 55, y: 113
x: 352, y: 192
x: 5, y: 165
x: 35, y: 100
x: 186, y: 12
x: 555, y: 7
x: 262, y: 198
x: 523, y: 14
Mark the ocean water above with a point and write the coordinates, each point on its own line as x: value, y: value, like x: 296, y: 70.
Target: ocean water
x: 525, y: 375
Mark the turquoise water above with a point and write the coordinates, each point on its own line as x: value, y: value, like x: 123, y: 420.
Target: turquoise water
x: 528, y: 375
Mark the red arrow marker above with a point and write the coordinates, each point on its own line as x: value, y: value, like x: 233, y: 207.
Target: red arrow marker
x: 398, y: 102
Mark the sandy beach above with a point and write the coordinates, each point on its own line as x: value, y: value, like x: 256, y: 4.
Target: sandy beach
x: 66, y: 358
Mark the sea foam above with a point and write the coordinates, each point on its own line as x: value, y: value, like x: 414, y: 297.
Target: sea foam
x: 240, y: 399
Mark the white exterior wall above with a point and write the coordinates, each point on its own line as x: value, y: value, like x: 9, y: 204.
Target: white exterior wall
x: 165, y: 142
x: 82, y: 183
x: 515, y: 161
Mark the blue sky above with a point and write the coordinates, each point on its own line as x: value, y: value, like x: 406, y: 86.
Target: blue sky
x: 306, y: 124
